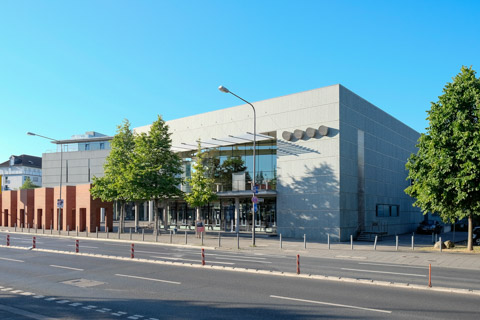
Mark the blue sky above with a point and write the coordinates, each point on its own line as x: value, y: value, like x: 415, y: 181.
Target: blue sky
x: 67, y: 67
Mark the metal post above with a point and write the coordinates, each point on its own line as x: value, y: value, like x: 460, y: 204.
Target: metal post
x: 51, y: 229
x: 201, y: 235
x: 43, y: 229
x: 203, y: 256
x: 34, y: 240
x: 77, y: 231
x: 77, y: 246
x: 413, y: 241
x: 22, y: 227
x: 8, y: 240
x: 328, y: 240
x: 351, y: 241
x: 15, y: 227
x: 119, y: 231
x: 28, y: 227
x: 96, y: 231
x: 107, y: 232
x: 156, y: 235
x: 238, y: 241
x: 86, y: 232
x: 130, y: 233
x: 171, y: 234
x: 186, y: 241
x: 441, y: 243
x: 36, y: 228
x: 281, y: 245
x: 304, y: 241
x: 68, y: 230
x: 298, y: 264
x: 143, y: 234
x: 433, y: 239
x: 219, y: 239
x: 430, y: 275
x: 375, y: 243
x: 132, y: 251
x: 396, y: 243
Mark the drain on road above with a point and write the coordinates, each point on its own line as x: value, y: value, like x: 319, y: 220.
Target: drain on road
x: 83, y: 283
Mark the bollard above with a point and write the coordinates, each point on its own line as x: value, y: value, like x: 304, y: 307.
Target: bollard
x: 34, y: 240
x: 413, y: 242
x: 143, y: 234
x: 436, y: 237
x: 298, y: 264
x: 8, y: 240
x: 156, y: 235
x: 132, y: 252
x: 107, y: 232
x: 440, y: 240
x: 171, y: 234
x: 51, y: 229
x: 281, y: 244
x: 22, y: 227
x: 201, y: 235
x: 186, y: 240
x: 118, y: 231
x: 219, y: 239
x: 43, y: 229
x: 77, y: 230
x: 328, y: 240
x: 304, y: 241
x: 238, y: 241
x: 130, y: 233
x: 28, y: 227
x: 77, y: 246
x: 68, y: 230
x: 86, y: 232
x: 203, y: 256
x: 36, y: 228
x: 15, y: 226
x: 96, y: 231
x: 396, y: 243
x: 433, y: 239
x: 351, y: 242
x: 430, y: 275
x: 375, y: 243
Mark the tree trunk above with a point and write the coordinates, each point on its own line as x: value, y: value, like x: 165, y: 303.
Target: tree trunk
x: 165, y: 214
x: 470, y: 234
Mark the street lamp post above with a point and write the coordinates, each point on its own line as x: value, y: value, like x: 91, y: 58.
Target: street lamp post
x: 254, y: 213
x: 61, y: 169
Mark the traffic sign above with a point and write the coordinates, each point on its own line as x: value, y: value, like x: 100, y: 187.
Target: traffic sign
x: 255, y: 207
x: 254, y: 199
x: 60, y: 203
x: 255, y: 189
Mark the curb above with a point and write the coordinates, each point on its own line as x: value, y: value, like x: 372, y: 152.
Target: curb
x: 264, y: 272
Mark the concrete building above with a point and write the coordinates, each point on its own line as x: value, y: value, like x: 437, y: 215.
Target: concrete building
x: 17, y: 169
x: 328, y: 162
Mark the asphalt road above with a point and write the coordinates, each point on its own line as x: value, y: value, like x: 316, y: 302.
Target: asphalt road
x: 40, y: 285
x: 341, y: 266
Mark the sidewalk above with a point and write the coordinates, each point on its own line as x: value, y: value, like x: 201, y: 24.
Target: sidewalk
x: 362, y: 251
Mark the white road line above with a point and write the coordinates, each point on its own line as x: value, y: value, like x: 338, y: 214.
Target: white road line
x: 331, y: 304
x: 386, y: 272
x: 76, y: 304
x: 192, y: 260
x: 234, y: 256
x: 63, y: 267
x: 82, y: 246
x: 16, y: 291
x: 50, y: 299
x: 391, y: 265
x: 149, y: 279
x: 27, y: 294
x: 246, y: 260
x: 14, y: 260
x: 154, y: 252
x: 63, y: 301
x: 7, y: 289
x: 39, y: 297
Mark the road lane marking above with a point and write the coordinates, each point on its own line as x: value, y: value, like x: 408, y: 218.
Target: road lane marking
x: 72, y: 245
x: 14, y: 260
x: 76, y: 304
x: 39, y: 297
x: 245, y: 260
x: 386, y: 272
x: 391, y: 265
x: 149, y: 279
x: 192, y: 260
x: 154, y: 252
x: 331, y: 304
x: 234, y: 256
x: 63, y: 267
x: 63, y: 301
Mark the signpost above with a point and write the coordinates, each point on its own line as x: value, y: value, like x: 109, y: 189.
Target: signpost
x: 60, y: 203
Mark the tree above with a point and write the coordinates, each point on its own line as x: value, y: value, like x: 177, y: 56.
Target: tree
x: 156, y: 170
x: 28, y: 184
x: 116, y: 184
x: 445, y: 172
x: 201, y: 185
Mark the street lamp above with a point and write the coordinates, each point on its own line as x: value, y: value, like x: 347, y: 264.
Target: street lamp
x: 61, y: 169
x: 254, y: 214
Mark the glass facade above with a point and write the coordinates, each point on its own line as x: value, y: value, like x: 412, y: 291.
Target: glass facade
x: 231, y: 167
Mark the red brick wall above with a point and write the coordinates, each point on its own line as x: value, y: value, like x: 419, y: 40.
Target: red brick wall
x: 69, y: 205
x: 9, y: 208
x: 43, y: 205
x: 26, y: 207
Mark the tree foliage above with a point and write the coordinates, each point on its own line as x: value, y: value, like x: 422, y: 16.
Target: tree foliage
x: 28, y: 184
x: 201, y: 184
x: 446, y: 169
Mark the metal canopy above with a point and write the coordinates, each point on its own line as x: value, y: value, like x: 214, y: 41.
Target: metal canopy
x: 212, y: 143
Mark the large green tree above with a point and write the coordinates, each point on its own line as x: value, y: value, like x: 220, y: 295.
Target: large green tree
x: 156, y: 170
x: 445, y: 172
x: 116, y: 184
x: 201, y: 185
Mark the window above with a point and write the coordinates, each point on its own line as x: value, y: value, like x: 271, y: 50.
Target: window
x: 87, y: 146
x: 102, y: 146
x: 387, y: 210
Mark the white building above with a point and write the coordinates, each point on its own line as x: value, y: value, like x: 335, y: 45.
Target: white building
x: 17, y: 169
